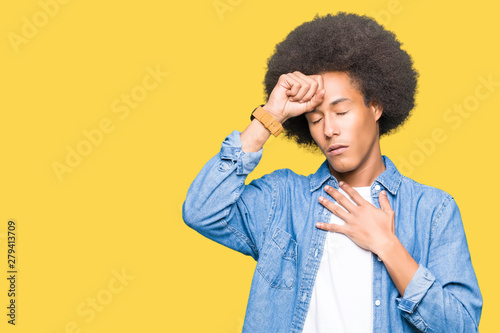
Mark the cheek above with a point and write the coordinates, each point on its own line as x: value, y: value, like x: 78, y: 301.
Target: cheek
x: 318, y: 137
x: 361, y: 126
x: 315, y: 131
x: 364, y: 133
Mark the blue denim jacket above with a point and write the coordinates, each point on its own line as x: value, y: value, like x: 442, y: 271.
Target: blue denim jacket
x: 272, y: 219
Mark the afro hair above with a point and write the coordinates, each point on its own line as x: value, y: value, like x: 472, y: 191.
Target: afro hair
x: 357, y: 45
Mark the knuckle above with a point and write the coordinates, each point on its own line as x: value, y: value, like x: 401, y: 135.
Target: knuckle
x: 284, y: 77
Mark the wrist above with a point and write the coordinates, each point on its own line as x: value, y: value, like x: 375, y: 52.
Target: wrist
x: 390, y: 245
x: 268, y: 120
x: 279, y: 116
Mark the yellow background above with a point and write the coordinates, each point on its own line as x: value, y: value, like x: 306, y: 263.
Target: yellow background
x: 119, y: 210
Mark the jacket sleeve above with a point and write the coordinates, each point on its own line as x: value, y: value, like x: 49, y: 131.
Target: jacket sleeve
x: 445, y: 296
x: 221, y: 207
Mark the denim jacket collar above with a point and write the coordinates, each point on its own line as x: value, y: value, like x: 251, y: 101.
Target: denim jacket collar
x: 390, y: 178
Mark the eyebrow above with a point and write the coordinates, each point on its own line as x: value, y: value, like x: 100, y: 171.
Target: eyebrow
x: 335, y: 102
x: 340, y: 100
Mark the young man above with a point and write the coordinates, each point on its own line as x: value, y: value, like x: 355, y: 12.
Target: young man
x: 356, y: 246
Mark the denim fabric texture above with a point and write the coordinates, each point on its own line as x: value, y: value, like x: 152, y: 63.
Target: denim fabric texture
x: 273, y: 220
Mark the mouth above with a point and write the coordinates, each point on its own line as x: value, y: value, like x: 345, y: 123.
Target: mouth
x: 336, y: 149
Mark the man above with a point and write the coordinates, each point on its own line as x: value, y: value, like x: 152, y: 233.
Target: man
x: 356, y: 246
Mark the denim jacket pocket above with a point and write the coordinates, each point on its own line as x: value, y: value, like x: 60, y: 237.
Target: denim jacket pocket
x: 278, y: 261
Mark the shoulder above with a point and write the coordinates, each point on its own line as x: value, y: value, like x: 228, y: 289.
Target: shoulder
x: 408, y: 188
x: 283, y: 177
x: 411, y: 185
x: 430, y: 206
x: 427, y: 198
x: 285, y: 185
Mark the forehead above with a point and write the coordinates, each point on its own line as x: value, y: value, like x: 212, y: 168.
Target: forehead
x: 339, y: 85
x: 338, y: 81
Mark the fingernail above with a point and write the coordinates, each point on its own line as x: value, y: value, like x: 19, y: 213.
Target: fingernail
x: 341, y: 183
x: 327, y: 187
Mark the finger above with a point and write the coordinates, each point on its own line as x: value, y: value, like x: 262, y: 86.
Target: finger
x: 384, y: 202
x: 319, y: 79
x: 316, y: 100
x: 385, y: 205
x: 292, y: 85
x: 340, y: 198
x: 305, y: 85
x: 313, y: 86
x: 332, y: 227
x: 355, y: 196
x: 311, y: 92
x: 335, y: 209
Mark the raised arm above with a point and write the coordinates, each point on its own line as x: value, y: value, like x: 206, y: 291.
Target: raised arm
x: 218, y: 204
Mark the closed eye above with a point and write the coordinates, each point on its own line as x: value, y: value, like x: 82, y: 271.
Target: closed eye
x: 338, y: 114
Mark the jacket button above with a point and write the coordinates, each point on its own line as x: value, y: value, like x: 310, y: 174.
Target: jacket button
x: 377, y: 302
x: 377, y: 187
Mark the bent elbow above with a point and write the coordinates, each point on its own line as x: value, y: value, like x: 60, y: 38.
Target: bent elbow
x: 190, y: 217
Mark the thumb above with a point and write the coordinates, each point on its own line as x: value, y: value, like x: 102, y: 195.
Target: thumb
x: 316, y: 100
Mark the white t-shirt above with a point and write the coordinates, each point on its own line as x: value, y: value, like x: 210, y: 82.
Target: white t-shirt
x: 341, y: 301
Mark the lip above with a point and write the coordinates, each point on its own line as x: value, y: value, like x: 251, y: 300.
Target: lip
x: 337, y: 149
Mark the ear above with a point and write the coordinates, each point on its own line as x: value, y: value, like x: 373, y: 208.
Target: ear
x: 377, y: 109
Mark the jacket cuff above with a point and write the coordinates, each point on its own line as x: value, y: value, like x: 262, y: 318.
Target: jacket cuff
x: 231, y: 154
x: 416, y: 290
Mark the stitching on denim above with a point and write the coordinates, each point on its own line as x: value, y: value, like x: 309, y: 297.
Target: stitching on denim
x: 229, y: 153
x: 240, y: 235
x: 276, y: 286
x: 235, y: 231
x: 272, y: 212
x: 284, y: 250
x: 299, y: 321
x: 283, y: 257
x: 396, y: 186
x: 434, y: 223
x: 426, y: 326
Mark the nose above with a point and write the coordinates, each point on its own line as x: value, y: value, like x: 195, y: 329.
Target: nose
x: 331, y: 126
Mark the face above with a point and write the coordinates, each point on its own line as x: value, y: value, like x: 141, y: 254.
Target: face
x: 345, y: 129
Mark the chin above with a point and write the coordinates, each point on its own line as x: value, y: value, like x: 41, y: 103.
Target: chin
x: 340, y: 167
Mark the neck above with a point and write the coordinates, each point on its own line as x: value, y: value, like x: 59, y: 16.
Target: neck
x: 365, y: 174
